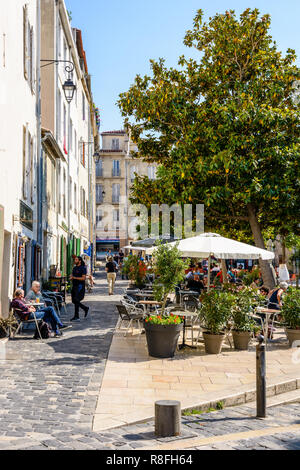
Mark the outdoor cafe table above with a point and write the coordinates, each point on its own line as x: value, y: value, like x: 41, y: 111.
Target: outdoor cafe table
x: 268, y: 314
x: 147, y: 304
x: 145, y: 295
x: 187, y: 292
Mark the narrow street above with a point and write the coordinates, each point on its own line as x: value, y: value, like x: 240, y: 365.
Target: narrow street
x: 49, y: 393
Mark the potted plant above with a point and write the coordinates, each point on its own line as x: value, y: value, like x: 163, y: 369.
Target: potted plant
x: 169, y: 269
x: 162, y: 333
x: 136, y: 270
x: 243, y: 323
x: 7, y: 324
x: 214, y: 314
x: 291, y: 315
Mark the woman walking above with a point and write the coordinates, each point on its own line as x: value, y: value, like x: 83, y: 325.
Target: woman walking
x: 78, y: 290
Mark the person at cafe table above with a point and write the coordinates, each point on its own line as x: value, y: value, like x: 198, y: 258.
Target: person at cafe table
x: 26, y: 311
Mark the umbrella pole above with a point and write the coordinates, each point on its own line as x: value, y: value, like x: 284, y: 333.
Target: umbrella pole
x: 208, y: 278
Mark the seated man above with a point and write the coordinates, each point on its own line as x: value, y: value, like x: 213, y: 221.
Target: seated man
x: 26, y: 311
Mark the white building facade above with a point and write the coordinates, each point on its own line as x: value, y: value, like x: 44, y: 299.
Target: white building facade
x: 20, y: 252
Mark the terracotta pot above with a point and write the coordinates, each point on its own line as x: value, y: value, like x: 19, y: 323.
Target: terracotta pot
x: 292, y: 336
x: 241, y: 340
x: 213, y: 343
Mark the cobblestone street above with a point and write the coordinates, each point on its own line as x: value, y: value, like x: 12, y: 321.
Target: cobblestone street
x: 49, y: 393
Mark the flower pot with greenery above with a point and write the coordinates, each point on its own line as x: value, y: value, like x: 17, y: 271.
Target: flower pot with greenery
x: 291, y: 315
x: 243, y: 323
x: 162, y: 333
x: 214, y: 314
x: 169, y: 269
x: 136, y: 270
x: 7, y: 325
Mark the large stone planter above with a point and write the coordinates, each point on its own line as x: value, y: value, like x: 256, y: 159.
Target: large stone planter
x: 213, y: 343
x: 241, y: 340
x: 292, y: 336
x: 162, y: 340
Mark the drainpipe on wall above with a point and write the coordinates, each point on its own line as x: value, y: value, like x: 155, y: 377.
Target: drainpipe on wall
x: 40, y: 156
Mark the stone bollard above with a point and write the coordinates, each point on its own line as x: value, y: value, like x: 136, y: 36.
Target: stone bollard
x: 167, y: 418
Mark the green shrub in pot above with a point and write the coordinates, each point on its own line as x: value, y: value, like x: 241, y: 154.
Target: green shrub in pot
x: 243, y: 325
x: 291, y: 314
x: 215, y: 314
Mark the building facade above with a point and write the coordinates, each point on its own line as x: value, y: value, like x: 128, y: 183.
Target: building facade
x: 47, y: 195
x: 69, y: 134
x: 20, y: 256
x: 116, y: 170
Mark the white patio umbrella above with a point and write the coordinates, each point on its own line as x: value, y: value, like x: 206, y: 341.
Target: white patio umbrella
x: 207, y: 245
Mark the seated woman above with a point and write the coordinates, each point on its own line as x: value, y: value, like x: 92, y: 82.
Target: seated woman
x: 275, y: 297
x: 26, y: 311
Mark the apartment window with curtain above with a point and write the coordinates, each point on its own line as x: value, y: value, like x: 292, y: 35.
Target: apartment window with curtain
x: 116, y: 172
x: 82, y: 153
x: 115, y: 193
x: 116, y: 218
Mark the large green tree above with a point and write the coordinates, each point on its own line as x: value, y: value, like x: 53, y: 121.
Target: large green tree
x: 224, y: 128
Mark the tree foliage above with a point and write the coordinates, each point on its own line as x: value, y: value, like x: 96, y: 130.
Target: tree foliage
x: 224, y: 128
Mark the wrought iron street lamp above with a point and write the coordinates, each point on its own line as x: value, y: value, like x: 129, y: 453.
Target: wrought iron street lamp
x: 69, y: 87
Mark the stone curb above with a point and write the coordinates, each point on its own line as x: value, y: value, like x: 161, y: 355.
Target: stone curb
x: 246, y: 397
x: 228, y: 401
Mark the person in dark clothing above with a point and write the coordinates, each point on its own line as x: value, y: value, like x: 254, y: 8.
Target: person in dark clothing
x: 78, y: 290
x: 111, y: 270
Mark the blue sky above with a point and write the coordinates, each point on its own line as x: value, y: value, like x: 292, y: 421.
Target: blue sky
x: 120, y: 36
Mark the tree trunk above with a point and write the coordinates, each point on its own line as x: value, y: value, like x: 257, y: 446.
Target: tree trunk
x: 265, y: 267
x: 283, y: 247
x: 224, y: 271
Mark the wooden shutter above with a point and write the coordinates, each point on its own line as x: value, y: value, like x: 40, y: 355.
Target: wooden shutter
x: 25, y: 41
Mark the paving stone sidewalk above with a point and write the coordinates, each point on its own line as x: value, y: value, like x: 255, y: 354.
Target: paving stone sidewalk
x: 49, y: 393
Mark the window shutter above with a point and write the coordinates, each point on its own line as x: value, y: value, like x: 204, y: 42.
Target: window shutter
x: 24, y: 162
x: 33, y: 74
x: 25, y: 40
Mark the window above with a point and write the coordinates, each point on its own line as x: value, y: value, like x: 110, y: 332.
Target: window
x: 99, y: 218
x: 116, y: 218
x: 71, y: 135
x: 99, y: 194
x: 151, y: 172
x: 25, y: 42
x: 115, y: 145
x: 75, y: 144
x: 75, y: 198
x: 82, y: 202
x: 133, y: 171
x: 4, y: 50
x: 28, y: 50
x: 115, y: 193
x: 82, y: 153
x: 99, y: 169
x: 71, y: 187
x: 58, y: 116
x: 64, y: 194
x: 83, y: 107
x: 59, y: 189
x: 116, y: 168
x: 65, y: 128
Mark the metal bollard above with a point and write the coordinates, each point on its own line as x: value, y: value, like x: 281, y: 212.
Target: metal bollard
x: 261, y: 390
x: 167, y: 418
